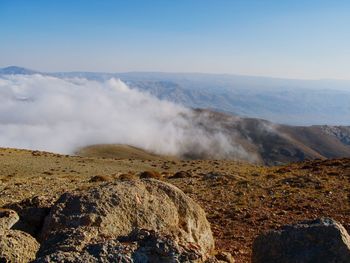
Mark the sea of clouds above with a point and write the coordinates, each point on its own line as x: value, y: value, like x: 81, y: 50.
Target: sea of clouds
x: 62, y: 115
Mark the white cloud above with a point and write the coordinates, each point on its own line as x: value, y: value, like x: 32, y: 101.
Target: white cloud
x: 61, y: 115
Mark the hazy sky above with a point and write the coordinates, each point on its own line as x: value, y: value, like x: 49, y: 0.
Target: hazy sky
x: 284, y: 38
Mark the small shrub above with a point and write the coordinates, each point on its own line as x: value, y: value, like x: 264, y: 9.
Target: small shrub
x: 180, y: 174
x: 128, y: 177
x: 150, y: 174
x: 100, y: 178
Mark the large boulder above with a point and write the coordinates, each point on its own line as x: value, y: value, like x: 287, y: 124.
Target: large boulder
x: 141, y: 246
x: 320, y: 240
x: 137, y: 221
x: 15, y: 246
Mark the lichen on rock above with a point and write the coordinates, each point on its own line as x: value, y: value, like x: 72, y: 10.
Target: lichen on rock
x: 147, y: 218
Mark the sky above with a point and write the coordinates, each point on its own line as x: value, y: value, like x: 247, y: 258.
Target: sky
x: 306, y: 39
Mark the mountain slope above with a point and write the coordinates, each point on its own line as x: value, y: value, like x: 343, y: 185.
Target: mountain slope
x: 271, y: 144
x: 257, y: 141
x: 120, y: 152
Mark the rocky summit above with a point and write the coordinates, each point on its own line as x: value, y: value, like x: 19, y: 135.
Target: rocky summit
x: 60, y: 208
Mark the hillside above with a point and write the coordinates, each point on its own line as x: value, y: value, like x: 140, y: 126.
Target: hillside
x: 273, y: 144
x: 119, y: 151
x: 240, y: 199
x: 257, y: 141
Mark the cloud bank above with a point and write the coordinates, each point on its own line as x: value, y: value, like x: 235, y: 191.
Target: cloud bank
x: 61, y: 115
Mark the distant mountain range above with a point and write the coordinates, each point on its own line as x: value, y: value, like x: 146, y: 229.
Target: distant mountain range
x: 285, y: 101
x: 17, y: 70
x: 231, y: 97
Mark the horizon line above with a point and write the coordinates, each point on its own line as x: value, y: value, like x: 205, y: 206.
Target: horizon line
x: 177, y: 72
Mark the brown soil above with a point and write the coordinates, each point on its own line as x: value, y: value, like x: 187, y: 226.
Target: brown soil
x: 241, y: 200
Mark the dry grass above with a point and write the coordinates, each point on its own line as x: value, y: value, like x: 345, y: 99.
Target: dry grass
x: 240, y: 199
x: 118, y: 151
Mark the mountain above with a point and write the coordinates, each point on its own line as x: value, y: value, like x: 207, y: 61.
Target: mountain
x: 14, y: 70
x: 255, y: 140
x: 282, y: 101
x: 272, y: 144
x: 43, y: 195
x: 228, y: 99
x: 285, y: 101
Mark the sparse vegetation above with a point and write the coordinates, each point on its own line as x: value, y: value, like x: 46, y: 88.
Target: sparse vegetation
x: 151, y: 175
x: 240, y: 200
x: 128, y: 177
x: 100, y: 178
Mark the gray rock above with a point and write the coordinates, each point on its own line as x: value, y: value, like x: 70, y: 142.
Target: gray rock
x: 321, y: 240
x: 140, y: 246
x: 141, y: 221
x: 17, y: 247
x: 8, y: 218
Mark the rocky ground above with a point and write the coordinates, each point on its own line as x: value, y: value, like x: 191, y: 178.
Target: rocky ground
x: 241, y: 200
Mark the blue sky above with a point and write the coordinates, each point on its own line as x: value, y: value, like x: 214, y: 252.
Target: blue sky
x: 289, y: 38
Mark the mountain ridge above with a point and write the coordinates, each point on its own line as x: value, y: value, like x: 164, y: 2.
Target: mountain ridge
x: 284, y: 101
x: 261, y: 141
